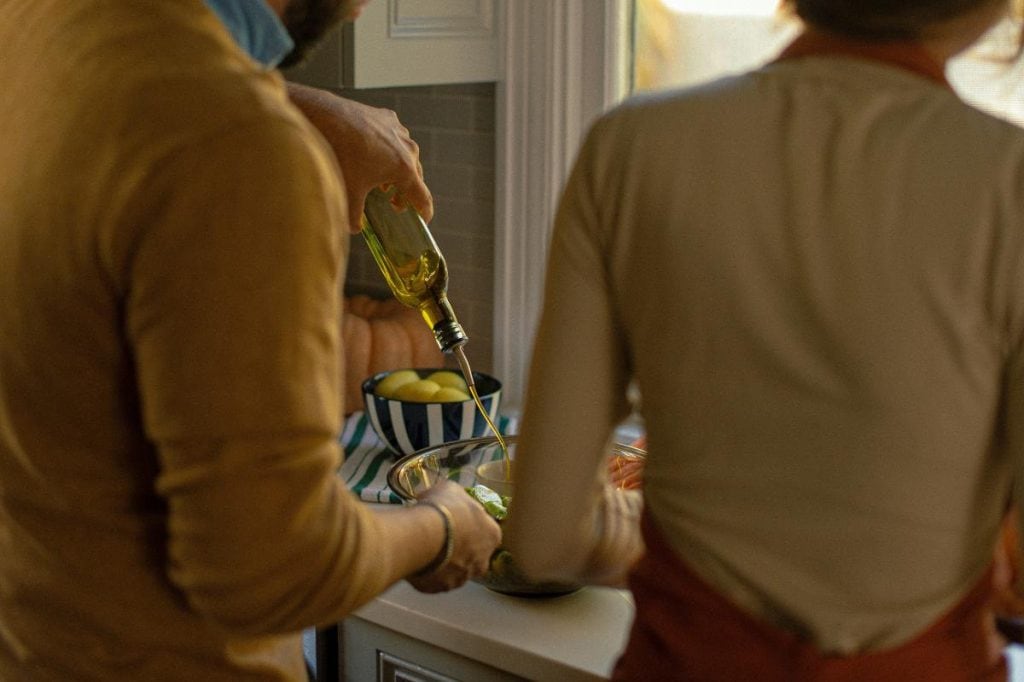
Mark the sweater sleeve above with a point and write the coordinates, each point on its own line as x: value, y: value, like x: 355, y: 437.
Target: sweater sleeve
x: 232, y: 317
x: 575, y: 396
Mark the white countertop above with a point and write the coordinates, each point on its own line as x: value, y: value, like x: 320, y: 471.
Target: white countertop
x: 577, y: 636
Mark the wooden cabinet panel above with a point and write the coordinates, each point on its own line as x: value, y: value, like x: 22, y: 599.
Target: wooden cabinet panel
x: 408, y: 42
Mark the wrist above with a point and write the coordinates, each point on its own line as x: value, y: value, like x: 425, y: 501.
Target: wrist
x: 445, y: 554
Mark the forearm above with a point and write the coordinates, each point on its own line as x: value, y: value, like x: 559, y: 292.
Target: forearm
x: 314, y: 103
x: 264, y: 538
x: 414, y: 537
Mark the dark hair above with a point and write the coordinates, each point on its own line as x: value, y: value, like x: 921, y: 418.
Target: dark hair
x: 879, y: 20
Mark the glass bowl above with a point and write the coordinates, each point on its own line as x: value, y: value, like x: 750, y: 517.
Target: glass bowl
x: 468, y: 463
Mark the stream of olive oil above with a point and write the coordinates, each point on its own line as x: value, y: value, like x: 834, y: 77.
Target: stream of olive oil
x: 467, y: 373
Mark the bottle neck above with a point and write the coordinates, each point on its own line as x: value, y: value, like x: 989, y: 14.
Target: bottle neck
x: 448, y: 333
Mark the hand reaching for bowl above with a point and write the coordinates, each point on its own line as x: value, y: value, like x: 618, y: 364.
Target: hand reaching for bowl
x: 474, y: 536
x: 618, y: 542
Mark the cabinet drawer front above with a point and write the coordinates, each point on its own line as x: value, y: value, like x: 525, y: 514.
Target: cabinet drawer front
x: 391, y: 668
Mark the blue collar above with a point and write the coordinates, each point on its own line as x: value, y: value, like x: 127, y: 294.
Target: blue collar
x: 255, y: 28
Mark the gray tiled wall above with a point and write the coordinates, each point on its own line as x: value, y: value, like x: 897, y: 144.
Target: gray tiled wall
x: 454, y: 126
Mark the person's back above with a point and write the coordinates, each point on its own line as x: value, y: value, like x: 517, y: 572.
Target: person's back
x: 813, y: 271
x: 823, y: 365
x: 107, y: 109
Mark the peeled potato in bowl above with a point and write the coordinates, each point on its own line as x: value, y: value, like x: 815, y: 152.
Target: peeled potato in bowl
x: 442, y: 386
x: 449, y: 379
x: 419, y: 391
x: 414, y: 408
x: 448, y: 394
x: 390, y: 384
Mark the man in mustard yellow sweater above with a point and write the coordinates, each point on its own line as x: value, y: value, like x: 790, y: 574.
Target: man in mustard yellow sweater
x: 173, y: 235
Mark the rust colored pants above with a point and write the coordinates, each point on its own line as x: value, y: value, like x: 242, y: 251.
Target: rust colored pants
x: 685, y: 630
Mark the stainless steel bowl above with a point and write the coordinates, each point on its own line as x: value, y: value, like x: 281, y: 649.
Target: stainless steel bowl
x: 458, y: 461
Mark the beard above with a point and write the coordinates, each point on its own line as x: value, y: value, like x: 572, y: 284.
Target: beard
x: 307, y: 21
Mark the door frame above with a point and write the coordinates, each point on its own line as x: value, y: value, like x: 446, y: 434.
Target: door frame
x: 561, y: 64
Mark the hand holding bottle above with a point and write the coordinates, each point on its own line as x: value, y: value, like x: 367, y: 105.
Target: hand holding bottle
x: 372, y: 148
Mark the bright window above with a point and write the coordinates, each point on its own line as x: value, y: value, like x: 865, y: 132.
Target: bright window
x: 683, y: 42
x: 991, y: 75
x: 723, y: 7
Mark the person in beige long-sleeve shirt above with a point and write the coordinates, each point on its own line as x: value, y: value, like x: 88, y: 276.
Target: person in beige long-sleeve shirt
x: 173, y: 235
x: 815, y: 274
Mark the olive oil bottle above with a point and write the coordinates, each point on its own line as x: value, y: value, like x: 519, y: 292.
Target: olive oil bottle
x: 416, y: 273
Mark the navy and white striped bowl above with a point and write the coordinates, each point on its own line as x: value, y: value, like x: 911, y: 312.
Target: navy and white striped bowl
x: 408, y: 426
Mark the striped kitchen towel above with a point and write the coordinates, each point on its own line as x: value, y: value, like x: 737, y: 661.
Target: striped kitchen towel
x: 367, y: 458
